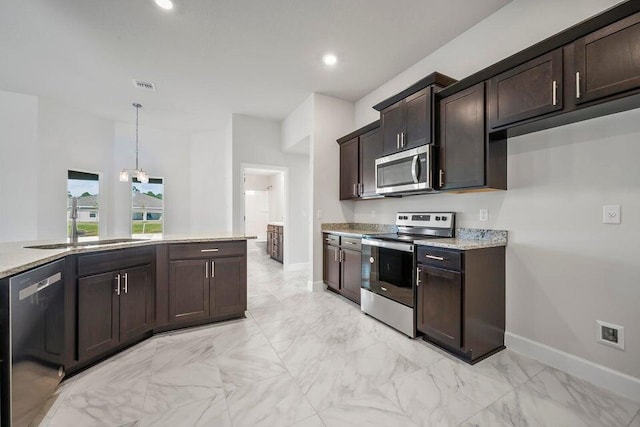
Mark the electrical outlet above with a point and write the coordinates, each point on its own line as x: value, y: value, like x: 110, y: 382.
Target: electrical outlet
x: 484, y: 215
x: 611, y: 214
x: 319, y: 214
x: 610, y: 334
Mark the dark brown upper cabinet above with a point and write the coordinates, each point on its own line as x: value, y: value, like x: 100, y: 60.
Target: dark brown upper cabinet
x: 406, y: 119
x: 607, y: 61
x: 469, y: 158
x: 527, y: 91
x: 358, y: 153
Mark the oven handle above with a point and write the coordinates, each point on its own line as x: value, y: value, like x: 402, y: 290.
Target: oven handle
x: 404, y: 247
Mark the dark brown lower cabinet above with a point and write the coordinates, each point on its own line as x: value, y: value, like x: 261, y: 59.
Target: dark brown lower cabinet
x: 227, y: 295
x: 275, y: 242
x: 342, y: 265
x: 188, y: 290
x: 331, y: 264
x: 113, y: 308
x: 351, y: 268
x: 461, y: 300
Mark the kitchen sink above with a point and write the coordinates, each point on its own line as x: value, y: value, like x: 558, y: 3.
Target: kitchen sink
x: 83, y: 244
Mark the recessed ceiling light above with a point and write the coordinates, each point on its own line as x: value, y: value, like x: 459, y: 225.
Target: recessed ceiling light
x: 165, y: 4
x: 329, y: 59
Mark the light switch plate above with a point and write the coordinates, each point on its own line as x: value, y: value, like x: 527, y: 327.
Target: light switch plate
x: 611, y: 214
x: 484, y: 215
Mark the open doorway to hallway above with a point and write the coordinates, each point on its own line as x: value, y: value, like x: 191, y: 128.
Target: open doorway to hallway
x: 265, y: 204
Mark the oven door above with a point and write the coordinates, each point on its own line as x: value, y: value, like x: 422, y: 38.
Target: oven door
x: 405, y: 172
x: 388, y: 270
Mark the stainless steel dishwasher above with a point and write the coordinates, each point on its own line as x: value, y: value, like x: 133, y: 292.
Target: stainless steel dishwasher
x: 36, y: 313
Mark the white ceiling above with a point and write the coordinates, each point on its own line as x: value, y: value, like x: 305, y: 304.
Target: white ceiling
x: 210, y: 58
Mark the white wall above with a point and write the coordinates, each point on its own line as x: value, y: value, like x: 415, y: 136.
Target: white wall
x: 332, y: 119
x: 565, y: 269
x: 164, y: 154
x: 296, y: 128
x: 210, y: 170
x: 257, y: 142
x: 71, y: 139
x: 276, y: 197
x: 18, y: 167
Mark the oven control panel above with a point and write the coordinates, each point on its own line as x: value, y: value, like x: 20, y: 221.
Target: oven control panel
x: 425, y: 219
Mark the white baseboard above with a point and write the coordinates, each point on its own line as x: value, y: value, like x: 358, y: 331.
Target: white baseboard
x: 300, y: 266
x: 316, y: 286
x: 600, y: 375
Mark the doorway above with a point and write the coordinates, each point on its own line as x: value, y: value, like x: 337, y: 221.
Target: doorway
x: 264, y: 206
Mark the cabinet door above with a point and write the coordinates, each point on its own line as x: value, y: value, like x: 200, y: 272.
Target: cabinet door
x: 440, y: 305
x: 607, y: 61
x: 98, y: 314
x: 331, y: 270
x: 137, y: 302
x: 417, y: 129
x: 391, y: 125
x: 280, y: 246
x: 370, y: 150
x: 349, y: 172
x: 462, y: 139
x: 351, y: 274
x: 529, y: 90
x: 228, y: 294
x: 188, y: 290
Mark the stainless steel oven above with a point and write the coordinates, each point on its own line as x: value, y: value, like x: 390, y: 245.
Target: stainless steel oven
x: 405, y: 172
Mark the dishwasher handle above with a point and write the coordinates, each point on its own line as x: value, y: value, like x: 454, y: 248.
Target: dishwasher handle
x: 39, y: 286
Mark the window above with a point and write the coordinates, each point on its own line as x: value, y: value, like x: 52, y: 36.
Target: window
x: 147, y: 208
x: 86, y: 188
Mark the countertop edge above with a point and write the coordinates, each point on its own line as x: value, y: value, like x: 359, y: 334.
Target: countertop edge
x: 463, y: 245
x: 50, y: 255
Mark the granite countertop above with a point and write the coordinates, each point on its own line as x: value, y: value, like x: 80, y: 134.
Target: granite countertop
x: 16, y: 258
x: 469, y: 238
x: 358, y: 229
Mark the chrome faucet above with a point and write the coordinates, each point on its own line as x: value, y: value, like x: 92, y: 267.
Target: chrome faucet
x: 74, y: 217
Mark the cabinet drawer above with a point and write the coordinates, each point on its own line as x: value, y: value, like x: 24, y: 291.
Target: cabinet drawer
x: 332, y: 239
x: 114, y: 260
x: 441, y: 258
x: 206, y: 250
x: 352, y: 243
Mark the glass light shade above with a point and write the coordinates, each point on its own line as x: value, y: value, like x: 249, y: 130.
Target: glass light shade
x: 124, y: 176
x: 143, y: 177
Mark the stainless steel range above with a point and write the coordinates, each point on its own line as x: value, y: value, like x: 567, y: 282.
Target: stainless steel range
x: 388, y: 290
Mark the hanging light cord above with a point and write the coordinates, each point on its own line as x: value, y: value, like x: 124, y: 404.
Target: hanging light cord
x: 137, y: 110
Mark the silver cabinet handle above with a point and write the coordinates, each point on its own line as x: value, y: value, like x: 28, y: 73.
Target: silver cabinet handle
x: 341, y: 256
x: 206, y: 270
x: 418, y: 272
x: 349, y: 243
x: 402, y: 140
x: 383, y: 288
x: 398, y: 141
x: 335, y: 255
x: 117, y: 289
x: 361, y: 188
x: 437, y: 258
x: 554, y: 91
x: 441, y: 178
x: 209, y: 250
x: 578, y: 94
x: 126, y: 283
x: 355, y: 189
x: 213, y: 269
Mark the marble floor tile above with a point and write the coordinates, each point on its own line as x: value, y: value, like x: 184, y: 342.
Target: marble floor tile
x: 555, y: 398
x: 180, y: 386
x: 274, y: 402
x: 312, y: 421
x: 371, y: 409
x: 636, y: 420
x: 428, y: 401
x: 242, y: 366
x: 200, y: 413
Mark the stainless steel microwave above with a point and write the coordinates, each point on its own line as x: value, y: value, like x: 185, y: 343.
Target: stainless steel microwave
x: 405, y: 172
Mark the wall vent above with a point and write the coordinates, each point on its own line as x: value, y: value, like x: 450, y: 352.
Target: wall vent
x: 144, y: 85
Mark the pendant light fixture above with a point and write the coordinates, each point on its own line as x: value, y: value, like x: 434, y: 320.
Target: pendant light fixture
x: 138, y: 173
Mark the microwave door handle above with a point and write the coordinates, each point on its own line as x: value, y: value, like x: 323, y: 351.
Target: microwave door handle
x: 414, y: 168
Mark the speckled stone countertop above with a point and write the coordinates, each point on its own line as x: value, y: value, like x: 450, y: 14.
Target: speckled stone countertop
x: 15, y: 258
x: 352, y: 229
x: 469, y: 238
